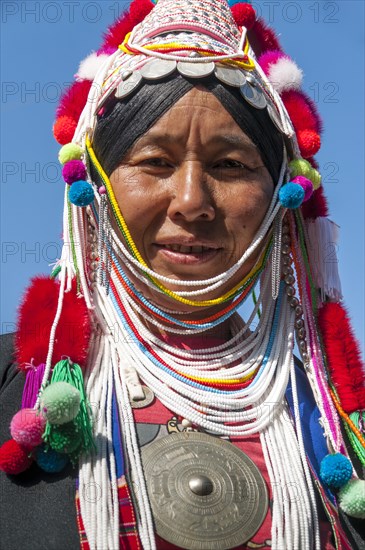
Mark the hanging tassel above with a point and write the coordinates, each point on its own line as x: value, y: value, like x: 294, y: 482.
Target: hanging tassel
x: 32, y: 385
x: 67, y: 432
x: 323, y: 236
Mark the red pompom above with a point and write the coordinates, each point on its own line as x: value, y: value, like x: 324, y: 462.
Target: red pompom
x: 262, y: 38
x: 302, y: 111
x: 343, y: 356
x: 73, y: 100
x: 64, y: 129
x: 139, y: 9
x: 36, y: 315
x: 309, y: 142
x: 244, y: 15
x: 116, y: 32
x: 316, y: 206
x: 14, y: 458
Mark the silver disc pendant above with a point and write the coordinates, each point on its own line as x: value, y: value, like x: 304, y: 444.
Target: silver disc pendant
x: 204, y: 492
x: 157, y: 68
x: 230, y: 76
x: 253, y: 95
x: 275, y: 117
x: 195, y: 70
x: 141, y: 403
x: 126, y: 87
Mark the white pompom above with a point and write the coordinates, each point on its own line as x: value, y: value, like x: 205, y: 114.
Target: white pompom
x: 90, y: 66
x: 285, y: 75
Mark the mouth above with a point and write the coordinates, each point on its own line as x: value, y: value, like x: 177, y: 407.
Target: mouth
x: 187, y: 254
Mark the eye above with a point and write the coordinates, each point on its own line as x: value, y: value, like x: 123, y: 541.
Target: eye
x: 159, y: 162
x: 231, y: 164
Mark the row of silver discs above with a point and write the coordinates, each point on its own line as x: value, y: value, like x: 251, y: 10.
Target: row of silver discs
x: 156, y: 69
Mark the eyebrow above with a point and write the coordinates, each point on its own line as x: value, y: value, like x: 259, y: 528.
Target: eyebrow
x: 228, y: 140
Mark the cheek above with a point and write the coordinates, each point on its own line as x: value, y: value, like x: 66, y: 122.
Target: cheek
x: 246, y: 212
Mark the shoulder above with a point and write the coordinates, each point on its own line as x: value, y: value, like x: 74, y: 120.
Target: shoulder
x: 8, y: 367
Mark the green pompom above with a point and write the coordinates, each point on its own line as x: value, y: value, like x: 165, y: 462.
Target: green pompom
x: 352, y: 498
x: 300, y: 167
x: 70, y: 151
x: 66, y: 438
x: 315, y: 178
x: 60, y: 402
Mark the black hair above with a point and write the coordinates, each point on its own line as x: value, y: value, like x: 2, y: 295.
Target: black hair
x: 124, y: 121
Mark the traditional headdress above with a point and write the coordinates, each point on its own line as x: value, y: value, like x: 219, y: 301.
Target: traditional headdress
x: 299, y: 294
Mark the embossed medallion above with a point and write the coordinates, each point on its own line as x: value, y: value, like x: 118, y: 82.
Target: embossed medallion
x: 205, y: 493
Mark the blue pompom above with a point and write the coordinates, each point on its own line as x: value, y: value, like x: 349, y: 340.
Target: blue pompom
x: 50, y: 461
x: 81, y: 193
x: 291, y: 195
x: 336, y: 470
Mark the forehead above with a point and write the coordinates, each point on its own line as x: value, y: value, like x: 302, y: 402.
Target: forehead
x: 197, y: 114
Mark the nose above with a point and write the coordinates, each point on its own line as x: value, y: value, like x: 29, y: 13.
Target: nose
x: 191, y: 199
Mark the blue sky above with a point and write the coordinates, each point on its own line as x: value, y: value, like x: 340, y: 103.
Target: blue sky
x: 42, y: 44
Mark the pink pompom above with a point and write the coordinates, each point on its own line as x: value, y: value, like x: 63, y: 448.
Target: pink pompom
x: 102, y: 190
x: 73, y: 170
x: 306, y: 184
x: 27, y: 427
x: 309, y: 142
x: 14, y: 459
x: 244, y: 15
x: 269, y: 58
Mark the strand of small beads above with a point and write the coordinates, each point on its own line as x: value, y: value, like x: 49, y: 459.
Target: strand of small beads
x: 289, y: 279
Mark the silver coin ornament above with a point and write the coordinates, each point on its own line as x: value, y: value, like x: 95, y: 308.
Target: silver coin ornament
x: 253, y: 95
x: 128, y: 86
x: 158, y: 68
x: 141, y: 403
x: 204, y: 492
x: 230, y: 76
x: 195, y: 70
x: 275, y: 117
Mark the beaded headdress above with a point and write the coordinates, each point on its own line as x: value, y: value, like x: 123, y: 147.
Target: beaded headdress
x: 300, y: 293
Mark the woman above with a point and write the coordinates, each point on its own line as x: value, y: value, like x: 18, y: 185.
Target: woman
x: 185, y: 188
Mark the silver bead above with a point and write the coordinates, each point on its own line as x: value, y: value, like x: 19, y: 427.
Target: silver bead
x: 286, y: 260
x: 286, y: 229
x: 294, y: 302
x: 305, y: 358
x: 93, y: 276
x: 299, y: 323
x: 301, y: 333
x: 290, y: 291
x: 286, y: 239
x: 285, y: 249
x: 93, y: 255
x: 303, y: 345
x: 298, y: 311
x: 287, y: 270
x: 289, y: 279
x: 94, y: 265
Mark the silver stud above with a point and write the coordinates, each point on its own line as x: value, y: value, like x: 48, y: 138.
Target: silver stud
x: 287, y: 270
x: 299, y: 323
x: 301, y: 333
x: 285, y: 249
x: 286, y: 239
x: 294, y: 302
x: 303, y: 345
x: 290, y: 291
x: 298, y: 311
x: 289, y: 279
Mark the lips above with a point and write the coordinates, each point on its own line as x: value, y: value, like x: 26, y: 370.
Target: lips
x: 186, y: 253
x: 183, y: 249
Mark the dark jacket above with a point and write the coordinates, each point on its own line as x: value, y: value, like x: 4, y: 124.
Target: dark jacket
x: 44, y: 515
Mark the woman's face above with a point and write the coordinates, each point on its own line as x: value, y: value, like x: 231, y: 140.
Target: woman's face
x: 193, y: 191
